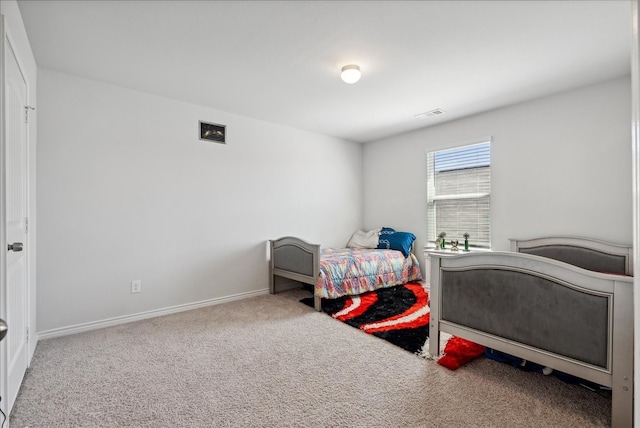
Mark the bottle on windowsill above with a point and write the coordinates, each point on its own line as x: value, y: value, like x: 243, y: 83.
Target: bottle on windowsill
x: 441, y: 237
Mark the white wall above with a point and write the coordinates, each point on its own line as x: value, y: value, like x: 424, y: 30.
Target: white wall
x: 18, y: 36
x: 127, y: 191
x: 561, y: 165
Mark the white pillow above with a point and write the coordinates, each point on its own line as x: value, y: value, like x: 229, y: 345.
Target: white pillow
x: 362, y: 239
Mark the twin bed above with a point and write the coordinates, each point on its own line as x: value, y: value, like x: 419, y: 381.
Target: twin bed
x: 335, y: 273
x: 574, y: 315
x: 562, y: 302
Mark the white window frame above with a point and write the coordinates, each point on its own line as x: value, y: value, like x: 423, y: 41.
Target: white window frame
x: 432, y: 233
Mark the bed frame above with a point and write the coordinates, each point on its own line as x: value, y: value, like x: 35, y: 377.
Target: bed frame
x: 543, y: 310
x: 296, y: 259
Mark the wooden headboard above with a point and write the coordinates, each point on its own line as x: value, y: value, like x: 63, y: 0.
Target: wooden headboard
x: 590, y: 254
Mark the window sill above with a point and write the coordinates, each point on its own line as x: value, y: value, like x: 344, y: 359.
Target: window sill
x: 447, y: 251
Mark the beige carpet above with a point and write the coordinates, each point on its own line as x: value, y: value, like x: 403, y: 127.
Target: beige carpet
x: 270, y: 361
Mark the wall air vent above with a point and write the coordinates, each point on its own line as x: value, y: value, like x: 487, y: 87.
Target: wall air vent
x: 431, y: 113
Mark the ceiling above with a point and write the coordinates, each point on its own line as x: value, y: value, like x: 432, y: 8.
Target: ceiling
x: 279, y: 61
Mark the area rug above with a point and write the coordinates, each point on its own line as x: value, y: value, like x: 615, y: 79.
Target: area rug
x: 399, y: 315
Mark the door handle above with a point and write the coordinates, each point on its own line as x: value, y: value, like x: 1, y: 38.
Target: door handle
x: 3, y: 329
x: 16, y: 246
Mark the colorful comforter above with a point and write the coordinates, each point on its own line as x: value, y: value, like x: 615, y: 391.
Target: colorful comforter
x: 352, y: 271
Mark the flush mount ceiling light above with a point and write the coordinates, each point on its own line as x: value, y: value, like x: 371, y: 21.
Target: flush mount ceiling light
x: 350, y: 73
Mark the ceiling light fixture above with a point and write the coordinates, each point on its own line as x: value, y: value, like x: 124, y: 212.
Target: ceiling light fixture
x: 350, y: 73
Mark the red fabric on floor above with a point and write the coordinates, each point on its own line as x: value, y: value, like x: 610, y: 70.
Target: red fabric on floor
x: 458, y: 352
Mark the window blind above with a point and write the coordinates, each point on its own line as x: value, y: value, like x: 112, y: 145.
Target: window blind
x: 459, y: 194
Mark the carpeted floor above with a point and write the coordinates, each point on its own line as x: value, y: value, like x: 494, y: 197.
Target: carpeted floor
x: 270, y: 361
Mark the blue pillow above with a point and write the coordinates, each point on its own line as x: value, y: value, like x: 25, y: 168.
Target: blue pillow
x: 391, y: 240
x: 387, y: 231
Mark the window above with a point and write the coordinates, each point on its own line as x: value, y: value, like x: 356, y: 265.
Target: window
x: 458, y: 194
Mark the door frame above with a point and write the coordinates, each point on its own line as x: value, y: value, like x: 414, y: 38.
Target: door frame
x: 32, y: 338
x: 635, y: 160
x: 3, y: 223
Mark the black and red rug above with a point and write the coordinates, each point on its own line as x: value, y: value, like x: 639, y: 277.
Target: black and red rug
x: 399, y: 314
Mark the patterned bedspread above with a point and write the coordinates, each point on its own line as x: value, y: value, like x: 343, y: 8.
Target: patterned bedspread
x: 352, y: 271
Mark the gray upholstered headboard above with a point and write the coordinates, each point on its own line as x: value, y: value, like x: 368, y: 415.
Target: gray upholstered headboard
x: 572, y: 324
x: 590, y: 254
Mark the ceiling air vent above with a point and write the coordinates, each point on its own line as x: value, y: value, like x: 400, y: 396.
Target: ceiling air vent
x: 431, y: 113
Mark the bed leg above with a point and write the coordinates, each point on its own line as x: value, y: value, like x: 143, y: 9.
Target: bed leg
x: 621, y: 407
x: 434, y: 325
x: 317, y: 303
x: 434, y: 340
x: 272, y: 284
x: 622, y: 381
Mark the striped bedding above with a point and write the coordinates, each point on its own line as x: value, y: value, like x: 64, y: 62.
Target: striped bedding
x: 352, y: 271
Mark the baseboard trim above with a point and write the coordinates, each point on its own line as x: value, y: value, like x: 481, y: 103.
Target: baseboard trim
x: 94, y: 325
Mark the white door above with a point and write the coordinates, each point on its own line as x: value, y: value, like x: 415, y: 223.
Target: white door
x: 15, y: 308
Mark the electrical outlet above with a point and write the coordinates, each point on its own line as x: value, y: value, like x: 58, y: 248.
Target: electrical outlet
x: 136, y: 286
